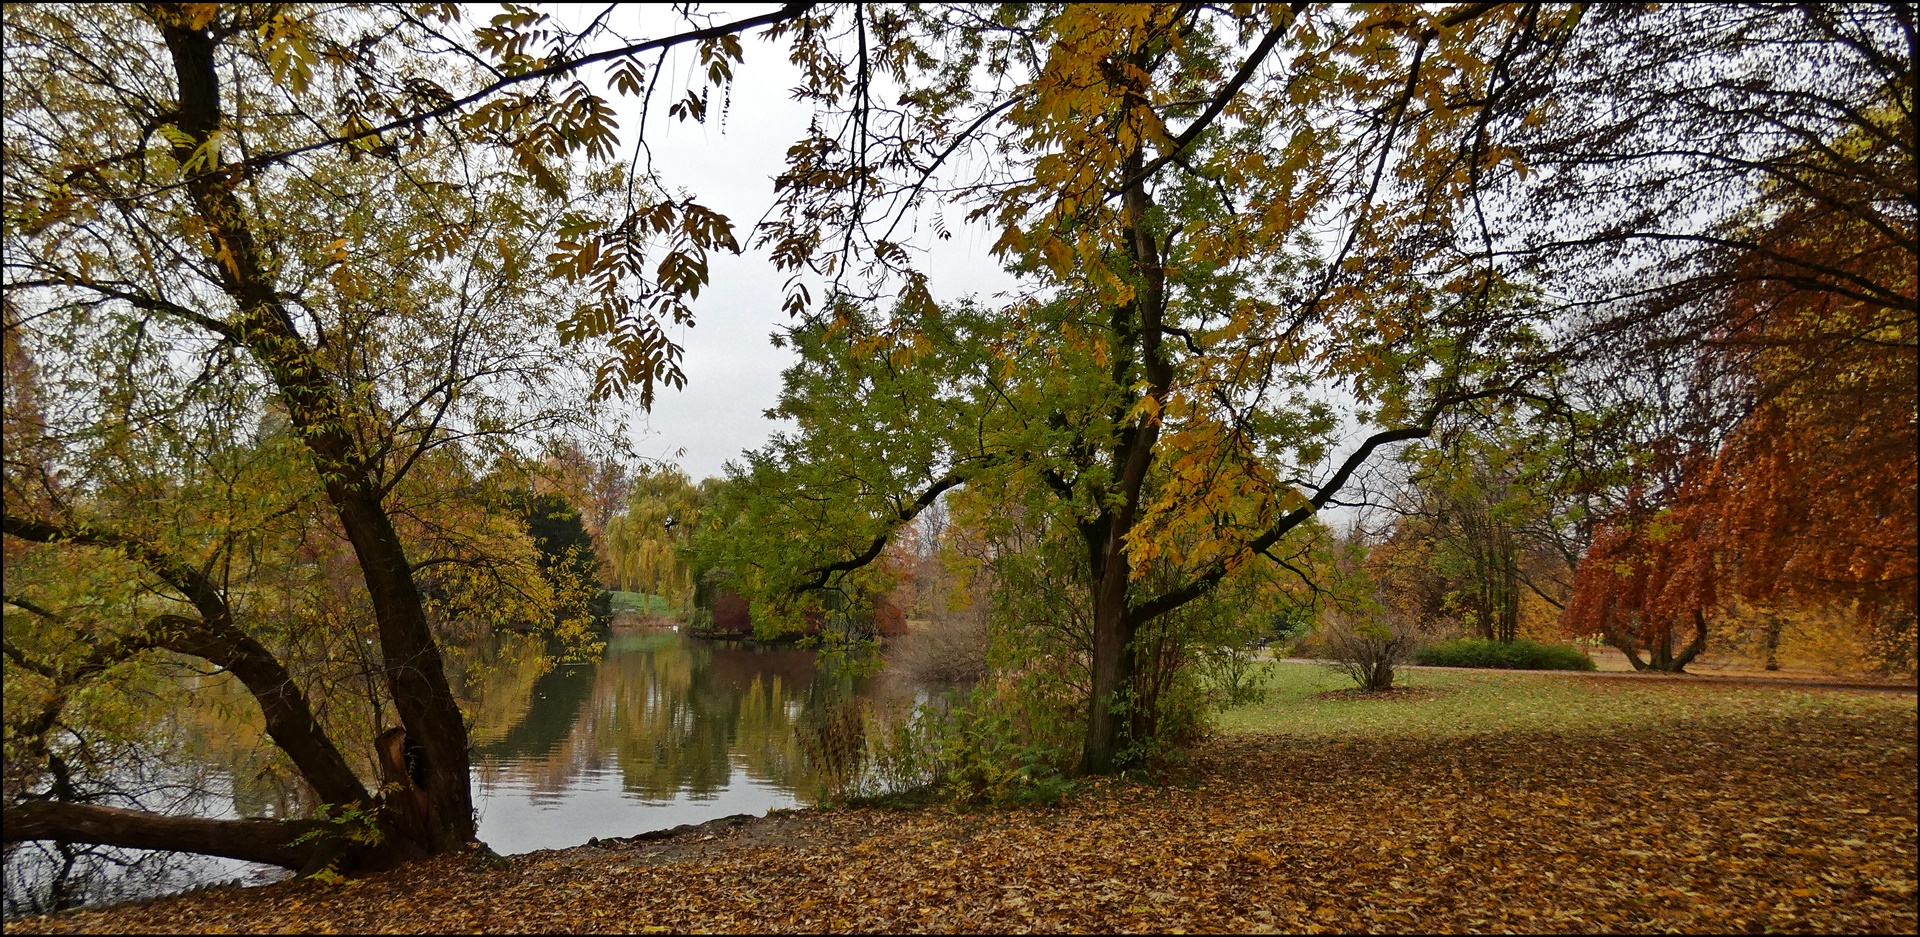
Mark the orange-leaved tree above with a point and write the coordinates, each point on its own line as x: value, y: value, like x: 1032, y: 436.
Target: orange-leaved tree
x: 1810, y: 497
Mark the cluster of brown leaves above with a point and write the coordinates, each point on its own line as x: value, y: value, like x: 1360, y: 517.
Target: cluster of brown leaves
x: 1746, y: 824
x: 1809, y: 496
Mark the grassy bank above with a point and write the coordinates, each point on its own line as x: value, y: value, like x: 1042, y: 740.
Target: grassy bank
x: 1310, y: 701
x: 1472, y: 802
x: 641, y: 603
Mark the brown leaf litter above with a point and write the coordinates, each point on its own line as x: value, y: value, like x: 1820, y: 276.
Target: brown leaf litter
x: 1749, y: 823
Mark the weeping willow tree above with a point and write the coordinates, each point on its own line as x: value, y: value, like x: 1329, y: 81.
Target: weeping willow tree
x: 645, y: 544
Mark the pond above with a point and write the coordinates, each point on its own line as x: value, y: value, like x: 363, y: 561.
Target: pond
x: 664, y: 729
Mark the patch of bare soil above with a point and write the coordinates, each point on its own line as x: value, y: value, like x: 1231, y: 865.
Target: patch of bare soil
x: 1767, y: 821
x: 1723, y: 669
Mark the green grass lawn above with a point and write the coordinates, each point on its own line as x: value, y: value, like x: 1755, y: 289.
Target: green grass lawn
x: 1475, y: 703
x: 640, y: 603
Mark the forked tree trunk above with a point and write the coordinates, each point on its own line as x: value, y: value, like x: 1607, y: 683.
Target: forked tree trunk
x: 1680, y: 661
x: 1661, y: 657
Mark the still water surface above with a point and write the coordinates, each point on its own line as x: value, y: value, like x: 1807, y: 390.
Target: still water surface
x: 663, y: 730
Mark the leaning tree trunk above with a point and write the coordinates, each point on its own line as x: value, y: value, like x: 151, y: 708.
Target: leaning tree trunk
x: 272, y: 842
x: 440, y: 819
x: 439, y: 798
x: 215, y: 638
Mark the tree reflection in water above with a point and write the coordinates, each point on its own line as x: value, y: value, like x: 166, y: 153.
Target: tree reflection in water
x: 664, y: 730
x: 44, y: 877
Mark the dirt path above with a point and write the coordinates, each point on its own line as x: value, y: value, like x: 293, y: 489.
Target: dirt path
x: 1727, y: 677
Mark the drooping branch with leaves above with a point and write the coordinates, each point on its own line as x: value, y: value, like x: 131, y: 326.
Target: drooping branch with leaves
x: 402, y: 246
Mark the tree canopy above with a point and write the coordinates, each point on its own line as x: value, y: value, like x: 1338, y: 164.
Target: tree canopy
x: 222, y: 210
x: 296, y: 295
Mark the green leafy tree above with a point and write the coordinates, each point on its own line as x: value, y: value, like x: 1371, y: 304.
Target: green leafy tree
x: 1149, y: 407
x: 373, y: 226
x: 567, y: 561
x: 648, y: 543
x: 1485, y: 526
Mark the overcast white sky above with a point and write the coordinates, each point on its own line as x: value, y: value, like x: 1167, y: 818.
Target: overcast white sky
x: 733, y: 371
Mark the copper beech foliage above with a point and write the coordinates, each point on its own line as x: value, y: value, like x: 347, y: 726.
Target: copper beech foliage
x: 1812, y: 495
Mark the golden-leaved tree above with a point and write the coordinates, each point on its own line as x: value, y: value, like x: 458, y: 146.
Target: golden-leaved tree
x: 1219, y: 212
x: 647, y: 542
x: 381, y: 226
x: 1222, y: 214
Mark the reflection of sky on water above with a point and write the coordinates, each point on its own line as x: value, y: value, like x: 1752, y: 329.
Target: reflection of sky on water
x: 104, y: 874
x: 115, y: 875
x: 664, y: 730
x: 516, y: 818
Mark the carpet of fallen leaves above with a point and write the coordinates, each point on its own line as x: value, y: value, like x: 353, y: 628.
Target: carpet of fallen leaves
x: 1736, y: 824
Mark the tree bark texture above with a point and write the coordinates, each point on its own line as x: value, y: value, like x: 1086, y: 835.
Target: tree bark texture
x: 1136, y: 328
x: 414, y: 671
x: 268, y: 841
